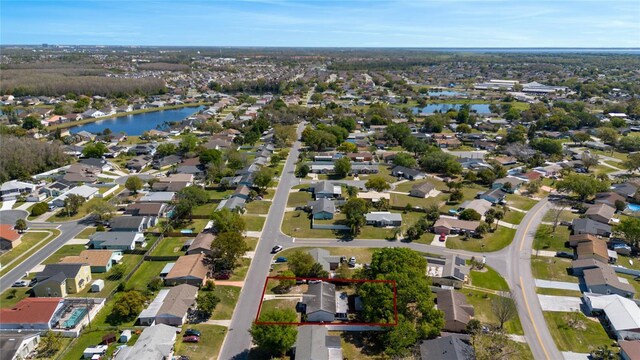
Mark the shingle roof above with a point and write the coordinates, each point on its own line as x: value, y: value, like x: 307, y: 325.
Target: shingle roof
x: 321, y: 297
x: 30, y: 311
x: 91, y: 257
x: 202, y: 241
x: 446, y: 348
x: 7, y: 233
x: 189, y: 266
x: 178, y: 300
x: 313, y: 342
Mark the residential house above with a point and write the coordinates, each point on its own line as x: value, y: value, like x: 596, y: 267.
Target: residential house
x: 629, y: 350
x: 407, y: 173
x: 99, y: 261
x: 55, y: 189
x: 627, y: 190
x: 10, y: 190
x: 101, y: 164
x: 600, y: 212
x: 457, y: 312
x: 9, y: 238
x: 363, y: 168
x: 314, y: 343
x: 18, y: 345
x: 608, y: 198
x: 201, y: 244
x: 446, y: 348
x: 383, y: 218
x: 322, y: 257
x: 31, y: 314
x: 139, y: 162
x: 481, y: 206
x: 603, y: 280
x: 449, y: 270
x: 494, y: 196
x: 58, y: 280
x: 130, y: 223
x: 362, y: 156
x: 170, y: 307
x: 166, y: 161
x: 621, y: 315
x: 155, y: 210
x: 423, y: 190
x: 158, y: 197
x: 155, y: 343
x: 85, y: 191
x: 514, y: 184
x: 320, y: 303
x: 322, y: 209
x: 594, y: 249
x: 454, y: 226
x: 588, y: 226
x: 325, y: 189
x: 242, y: 191
x: 233, y: 204
x: 166, y: 186
x: 116, y: 240
x: 188, y: 269
x: 143, y: 149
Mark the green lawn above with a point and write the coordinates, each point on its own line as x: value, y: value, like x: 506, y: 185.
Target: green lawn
x: 513, y: 217
x: 84, y: 234
x: 219, y: 194
x: 211, y: 340
x: 254, y: 223
x: 228, y: 298
x: 546, y: 239
x: 575, y: 332
x: 552, y: 268
x: 488, y: 279
x: 66, y: 250
x: 299, y: 198
x: 490, y: 242
x: 30, y: 243
x: 13, y: 296
x: 240, y: 272
x: 195, y: 225
x: 205, y: 209
x: 565, y: 215
x: 402, y: 200
x: 252, y: 242
x: 258, y: 207
x: 482, y: 307
x: 297, y: 223
x: 520, y: 202
x: 634, y: 283
x: 91, y: 338
x: 145, y: 273
x: 558, y: 292
x: 170, y: 246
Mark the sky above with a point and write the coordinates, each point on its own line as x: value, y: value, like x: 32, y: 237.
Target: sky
x: 320, y: 23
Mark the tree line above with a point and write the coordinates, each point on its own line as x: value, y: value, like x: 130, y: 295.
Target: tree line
x: 23, y: 157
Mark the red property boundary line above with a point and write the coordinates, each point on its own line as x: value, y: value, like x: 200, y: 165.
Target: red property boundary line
x: 332, y: 280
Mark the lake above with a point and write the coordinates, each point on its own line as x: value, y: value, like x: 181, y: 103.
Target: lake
x: 443, y: 108
x: 137, y: 124
x: 446, y: 93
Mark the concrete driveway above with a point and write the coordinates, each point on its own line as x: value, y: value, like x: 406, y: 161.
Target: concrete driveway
x: 8, y: 205
x: 559, y: 303
x: 549, y: 284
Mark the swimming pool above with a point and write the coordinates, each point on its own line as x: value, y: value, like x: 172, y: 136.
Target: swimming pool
x: 186, y: 231
x: 633, y: 207
x: 73, y: 320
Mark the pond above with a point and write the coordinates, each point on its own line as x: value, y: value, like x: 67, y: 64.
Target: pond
x: 134, y: 125
x: 446, y: 93
x: 444, y: 107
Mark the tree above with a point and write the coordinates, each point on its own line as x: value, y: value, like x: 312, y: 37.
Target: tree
x: 632, y: 163
x: 302, y: 171
x: 355, y: 210
x: 117, y: 272
x: 263, y: 179
x: 470, y: 215
x: 188, y: 143
x: 456, y: 196
x: 300, y: 263
x: 101, y: 208
x: 189, y: 198
x: 547, y: 146
x: 404, y: 159
x: 31, y: 122
x: 94, y: 150
x: 352, y: 191
x: 589, y: 160
x: 72, y: 204
x: 228, y: 248
x: 377, y: 183
x: 166, y: 149
x: 225, y: 220
x: 504, y: 308
x: 630, y: 227
x: 275, y: 339
x: 533, y: 186
x: 207, y: 302
x: 39, y: 209
x: 583, y: 185
x: 342, y: 166
x: 128, y: 305
x: 347, y: 147
x: 285, y: 285
x: 49, y: 344
x: 620, y: 205
x: 580, y: 137
x: 483, y: 228
x: 133, y: 184
x: 494, y: 346
x: 608, y: 135
x: 603, y: 353
x: 20, y: 226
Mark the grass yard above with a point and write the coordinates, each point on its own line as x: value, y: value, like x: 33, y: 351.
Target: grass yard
x: 209, y: 345
x: 513, y: 217
x: 634, y: 283
x: 254, y: 223
x: 91, y: 338
x: 240, y: 272
x: 548, y: 268
x: 488, y: 279
x: 252, y: 242
x: 228, y: 298
x: 145, y: 273
x: 482, y: 306
x: 86, y: 233
x: 66, y: 250
x: 280, y: 304
x: 205, y: 209
x: 565, y: 215
x: 219, y: 194
x: 558, y: 292
x: 402, y: 200
x: 357, y: 345
x: 491, y: 242
x: 31, y: 242
x: 546, y: 239
x: 297, y: 223
x: 299, y: 198
x: 258, y: 207
x: 195, y: 225
x: 385, y: 173
x: 12, y: 296
x: 575, y: 332
x: 170, y: 246
x: 520, y: 202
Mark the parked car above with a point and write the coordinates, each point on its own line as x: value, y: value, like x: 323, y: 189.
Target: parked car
x: 191, y: 339
x: 443, y: 237
x: 20, y: 283
x: 192, y: 332
x: 281, y: 259
x: 564, y: 254
x: 276, y: 249
x: 352, y: 261
x: 314, y: 281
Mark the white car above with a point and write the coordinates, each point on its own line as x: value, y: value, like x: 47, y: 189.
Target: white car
x: 352, y: 261
x: 276, y: 249
x: 21, y: 283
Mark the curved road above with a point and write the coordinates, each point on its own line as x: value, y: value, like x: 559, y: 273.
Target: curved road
x: 512, y: 262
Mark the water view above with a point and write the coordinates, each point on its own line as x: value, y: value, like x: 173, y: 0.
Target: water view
x: 443, y: 108
x: 138, y: 123
x: 446, y: 93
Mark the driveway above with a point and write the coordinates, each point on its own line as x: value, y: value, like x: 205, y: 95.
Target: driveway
x: 8, y: 205
x: 562, y: 285
x: 560, y: 303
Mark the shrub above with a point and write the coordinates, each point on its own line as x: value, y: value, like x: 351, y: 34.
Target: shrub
x: 39, y: 209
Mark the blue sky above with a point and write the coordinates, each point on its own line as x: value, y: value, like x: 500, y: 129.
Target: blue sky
x: 346, y: 23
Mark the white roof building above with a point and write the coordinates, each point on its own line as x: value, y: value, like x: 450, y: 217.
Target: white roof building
x: 155, y: 343
x: 622, y: 314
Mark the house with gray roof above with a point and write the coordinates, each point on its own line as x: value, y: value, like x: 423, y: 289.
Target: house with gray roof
x: 116, y: 240
x: 329, y: 262
x: 494, y: 196
x: 407, y: 173
x: 321, y: 303
x: 176, y: 305
x: 588, y: 226
x: 449, y: 270
x: 446, y: 348
x: 158, y: 197
x: 86, y: 191
x: 627, y: 189
x: 130, y: 223
x: 602, y: 213
x: 155, y: 343
x: 457, y: 311
x: 514, y: 184
x: 314, y: 343
x: 326, y: 189
x: 322, y: 209
x: 423, y: 190
x: 233, y: 204
x: 383, y: 218
x: 603, y: 280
